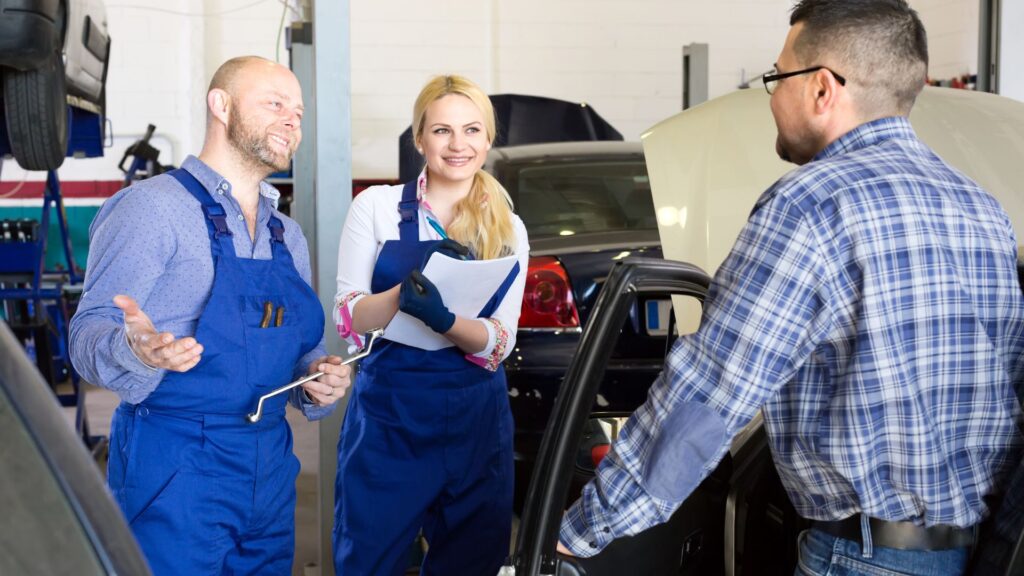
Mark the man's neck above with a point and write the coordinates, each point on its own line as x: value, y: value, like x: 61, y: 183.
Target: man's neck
x: 244, y: 179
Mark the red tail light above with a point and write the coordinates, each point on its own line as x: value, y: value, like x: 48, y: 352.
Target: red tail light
x: 597, y: 453
x: 547, y: 299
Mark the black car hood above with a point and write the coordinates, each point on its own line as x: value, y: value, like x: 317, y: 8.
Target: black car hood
x: 594, y: 242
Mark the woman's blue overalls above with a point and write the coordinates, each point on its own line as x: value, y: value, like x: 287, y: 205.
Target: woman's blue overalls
x: 427, y: 442
x: 206, y: 492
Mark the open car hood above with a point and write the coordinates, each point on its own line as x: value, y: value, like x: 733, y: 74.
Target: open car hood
x: 709, y: 164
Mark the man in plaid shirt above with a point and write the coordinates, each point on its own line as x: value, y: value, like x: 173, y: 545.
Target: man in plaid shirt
x: 870, y: 307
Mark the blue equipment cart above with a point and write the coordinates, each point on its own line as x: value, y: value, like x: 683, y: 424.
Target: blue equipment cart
x: 38, y: 302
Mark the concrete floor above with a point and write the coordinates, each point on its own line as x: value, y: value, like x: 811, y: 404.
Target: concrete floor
x: 100, y: 405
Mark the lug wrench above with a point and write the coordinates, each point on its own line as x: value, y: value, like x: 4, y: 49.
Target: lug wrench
x: 371, y: 338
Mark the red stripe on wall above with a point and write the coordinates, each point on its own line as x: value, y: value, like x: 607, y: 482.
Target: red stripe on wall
x: 358, y: 185
x: 68, y: 189
x: 107, y: 188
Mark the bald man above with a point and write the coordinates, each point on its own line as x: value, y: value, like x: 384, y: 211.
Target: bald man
x: 197, y: 301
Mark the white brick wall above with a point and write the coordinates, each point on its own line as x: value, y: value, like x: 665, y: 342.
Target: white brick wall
x: 622, y: 57
x: 1011, y: 81
x: 952, y: 27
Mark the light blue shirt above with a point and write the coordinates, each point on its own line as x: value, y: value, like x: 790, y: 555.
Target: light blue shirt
x: 150, y: 241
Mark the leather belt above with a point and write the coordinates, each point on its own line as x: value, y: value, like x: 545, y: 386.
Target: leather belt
x: 900, y: 535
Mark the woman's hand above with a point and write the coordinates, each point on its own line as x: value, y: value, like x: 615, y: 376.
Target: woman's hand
x: 449, y: 248
x: 419, y: 298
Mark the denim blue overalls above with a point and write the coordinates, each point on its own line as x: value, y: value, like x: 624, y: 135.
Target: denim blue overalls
x: 206, y: 492
x: 426, y: 443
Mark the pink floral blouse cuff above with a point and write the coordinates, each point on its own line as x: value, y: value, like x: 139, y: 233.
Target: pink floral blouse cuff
x: 493, y: 360
x: 345, y: 330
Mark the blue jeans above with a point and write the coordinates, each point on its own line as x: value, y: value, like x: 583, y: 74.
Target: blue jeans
x: 825, y: 555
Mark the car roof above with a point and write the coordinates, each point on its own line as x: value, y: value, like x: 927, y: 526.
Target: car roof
x: 527, y: 152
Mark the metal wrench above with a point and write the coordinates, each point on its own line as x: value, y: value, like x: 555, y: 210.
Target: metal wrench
x: 371, y: 337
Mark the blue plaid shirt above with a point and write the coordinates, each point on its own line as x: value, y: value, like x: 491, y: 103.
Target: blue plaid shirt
x: 871, y: 307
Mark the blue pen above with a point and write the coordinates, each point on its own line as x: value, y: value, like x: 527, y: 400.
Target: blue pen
x: 433, y: 223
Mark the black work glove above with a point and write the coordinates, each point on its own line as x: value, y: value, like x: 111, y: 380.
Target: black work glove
x: 449, y: 248
x: 419, y: 298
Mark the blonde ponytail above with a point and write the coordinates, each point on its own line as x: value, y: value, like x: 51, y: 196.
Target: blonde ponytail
x: 483, y: 219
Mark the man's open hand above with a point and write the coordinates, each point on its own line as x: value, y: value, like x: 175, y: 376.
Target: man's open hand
x: 156, y: 350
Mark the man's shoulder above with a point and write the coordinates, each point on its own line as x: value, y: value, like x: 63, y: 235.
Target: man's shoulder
x: 891, y: 159
x: 161, y: 190
x: 154, y: 198
x: 805, y: 184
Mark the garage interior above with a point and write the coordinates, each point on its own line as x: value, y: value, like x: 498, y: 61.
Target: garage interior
x: 620, y: 69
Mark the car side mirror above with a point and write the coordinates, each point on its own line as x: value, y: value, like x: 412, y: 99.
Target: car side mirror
x: 595, y: 442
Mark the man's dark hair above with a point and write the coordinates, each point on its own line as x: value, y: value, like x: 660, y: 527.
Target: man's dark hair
x: 880, y: 46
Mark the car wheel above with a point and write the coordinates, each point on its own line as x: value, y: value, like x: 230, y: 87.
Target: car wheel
x: 37, y: 115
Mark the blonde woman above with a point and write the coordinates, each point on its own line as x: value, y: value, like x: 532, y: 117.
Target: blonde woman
x: 427, y: 441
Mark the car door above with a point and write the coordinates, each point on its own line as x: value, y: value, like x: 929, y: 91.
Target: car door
x: 660, y: 548
x: 738, y: 521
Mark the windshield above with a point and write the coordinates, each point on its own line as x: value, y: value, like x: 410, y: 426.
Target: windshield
x: 564, y: 199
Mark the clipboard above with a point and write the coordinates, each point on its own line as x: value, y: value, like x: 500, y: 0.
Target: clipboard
x: 466, y: 286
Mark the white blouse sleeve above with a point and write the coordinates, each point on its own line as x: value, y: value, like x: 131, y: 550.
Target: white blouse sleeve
x: 357, y: 255
x: 502, y: 325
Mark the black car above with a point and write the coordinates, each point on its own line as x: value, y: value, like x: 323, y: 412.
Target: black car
x: 586, y: 205
x: 58, y: 517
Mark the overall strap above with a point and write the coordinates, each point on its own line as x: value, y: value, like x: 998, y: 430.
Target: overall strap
x: 276, y: 230
x: 216, y: 217
x: 495, y: 301
x: 278, y: 248
x: 408, y: 207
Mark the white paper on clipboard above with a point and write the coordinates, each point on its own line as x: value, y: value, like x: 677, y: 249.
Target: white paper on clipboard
x: 465, y: 286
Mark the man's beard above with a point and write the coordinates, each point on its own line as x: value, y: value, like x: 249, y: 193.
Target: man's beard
x: 253, y: 146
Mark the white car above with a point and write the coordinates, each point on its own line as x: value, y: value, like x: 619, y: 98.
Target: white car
x: 52, y: 53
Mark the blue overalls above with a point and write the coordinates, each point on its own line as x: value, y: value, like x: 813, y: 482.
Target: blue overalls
x: 204, y: 491
x: 427, y: 442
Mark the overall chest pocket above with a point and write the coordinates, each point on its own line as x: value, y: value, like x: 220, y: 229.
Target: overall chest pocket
x: 273, y: 341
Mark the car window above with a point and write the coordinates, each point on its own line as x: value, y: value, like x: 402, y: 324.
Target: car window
x: 579, y: 197
x: 39, y: 531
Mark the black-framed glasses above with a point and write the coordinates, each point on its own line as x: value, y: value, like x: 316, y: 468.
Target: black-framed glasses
x: 771, y: 79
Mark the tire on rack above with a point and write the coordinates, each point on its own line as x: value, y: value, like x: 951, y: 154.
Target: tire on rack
x: 36, y: 108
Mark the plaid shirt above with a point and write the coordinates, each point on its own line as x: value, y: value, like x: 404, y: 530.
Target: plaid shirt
x: 871, y: 307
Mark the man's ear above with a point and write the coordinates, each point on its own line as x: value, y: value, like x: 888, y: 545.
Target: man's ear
x: 219, y: 103
x: 826, y: 90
